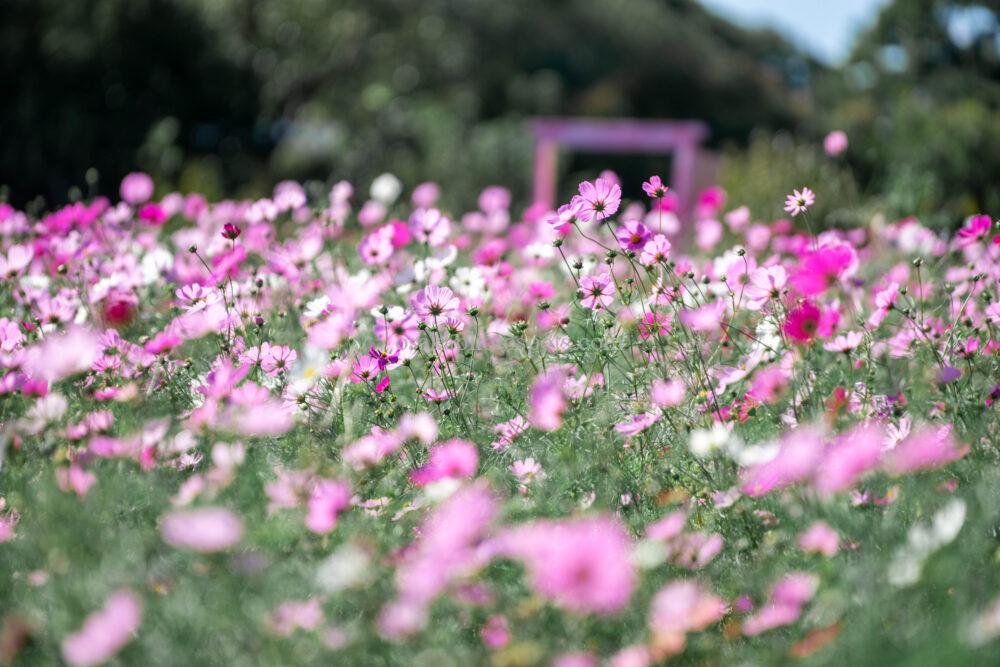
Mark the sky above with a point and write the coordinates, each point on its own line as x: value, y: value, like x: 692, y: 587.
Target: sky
x: 826, y: 28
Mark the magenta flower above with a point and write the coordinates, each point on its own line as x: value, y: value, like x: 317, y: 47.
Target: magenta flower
x: 231, y: 231
x: 822, y: 268
x: 975, y: 230
x: 632, y: 235
x: 601, y: 199
x: 803, y: 322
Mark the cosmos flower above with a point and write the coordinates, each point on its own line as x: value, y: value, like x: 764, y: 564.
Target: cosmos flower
x: 601, y: 199
x: 799, y: 201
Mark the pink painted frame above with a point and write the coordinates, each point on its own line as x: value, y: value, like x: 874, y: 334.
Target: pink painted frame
x: 682, y: 138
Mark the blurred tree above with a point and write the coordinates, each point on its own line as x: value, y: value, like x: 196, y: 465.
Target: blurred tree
x: 263, y: 89
x: 920, y: 100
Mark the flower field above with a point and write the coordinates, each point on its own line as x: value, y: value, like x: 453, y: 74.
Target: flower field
x: 362, y: 429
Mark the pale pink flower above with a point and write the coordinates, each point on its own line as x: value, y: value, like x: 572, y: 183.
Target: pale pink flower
x: 596, y: 292
x: 205, y: 530
x: 848, y: 458
x: 928, y: 447
x: 327, y: 501
x: 527, y: 471
x: 434, y: 302
x: 799, y: 201
x: 680, y: 607
x: 547, y: 400
x: 105, y: 631
x: 136, y: 188
x: 798, y: 455
x: 844, y: 342
x: 766, y: 284
x: 582, y: 564
x: 788, y: 597
x: 835, y: 143
x: 667, y: 393
x: 295, y: 615
x: 820, y: 538
x: 454, y: 459
x: 601, y: 199
x: 655, y: 251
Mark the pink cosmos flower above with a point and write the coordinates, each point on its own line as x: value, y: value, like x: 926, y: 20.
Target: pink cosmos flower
x: 430, y: 226
x: 295, y: 615
x: 835, y: 143
x: 807, y: 322
x: 633, y: 235
x: 655, y: 251
x: 527, y: 471
x: 655, y: 188
x: 548, y: 401
x: 799, y: 201
x: 765, y: 284
x: 455, y: 459
x: 327, y: 502
x: 205, y: 530
x: 707, y: 318
x: 820, y: 538
x: 16, y: 260
x: 667, y: 393
x: 136, y: 188
x: 8, y: 520
x: 845, y: 342
x: 799, y: 453
x: 848, y: 458
x: 434, y: 302
x: 567, y: 215
x: 425, y: 195
x: 601, y: 199
x: 975, y: 230
x: 496, y: 632
x: 928, y: 447
x: 509, y: 430
x: 636, y: 424
x: 104, y: 632
x: 450, y: 546
x: 582, y: 564
x: 680, y: 607
x: 788, y: 597
x: 62, y: 355
x: 769, y: 384
x: 276, y: 359
x: 596, y: 292
x: 820, y: 269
